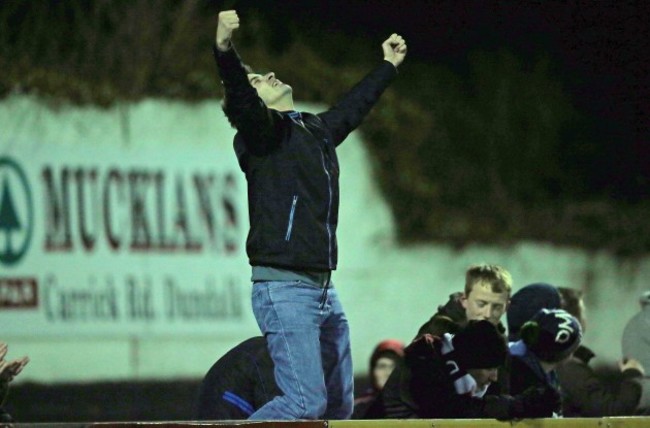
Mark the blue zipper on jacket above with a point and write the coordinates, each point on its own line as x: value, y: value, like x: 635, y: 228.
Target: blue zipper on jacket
x: 291, y: 215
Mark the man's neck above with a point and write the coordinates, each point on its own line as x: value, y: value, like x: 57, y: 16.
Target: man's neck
x: 283, y: 106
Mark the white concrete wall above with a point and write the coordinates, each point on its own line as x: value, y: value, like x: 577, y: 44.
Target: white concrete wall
x: 387, y: 291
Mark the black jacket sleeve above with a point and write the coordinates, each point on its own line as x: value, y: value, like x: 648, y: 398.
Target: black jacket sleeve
x: 259, y: 125
x: 348, y: 113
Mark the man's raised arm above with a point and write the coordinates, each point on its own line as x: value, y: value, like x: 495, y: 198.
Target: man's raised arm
x: 352, y: 108
x: 243, y: 107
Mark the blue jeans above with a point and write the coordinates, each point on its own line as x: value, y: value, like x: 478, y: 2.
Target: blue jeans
x: 309, y: 342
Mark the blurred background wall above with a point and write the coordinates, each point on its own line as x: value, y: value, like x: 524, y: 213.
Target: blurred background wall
x: 121, y: 277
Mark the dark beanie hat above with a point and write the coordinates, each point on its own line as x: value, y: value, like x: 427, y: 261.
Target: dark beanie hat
x: 526, y: 302
x: 552, y: 334
x: 479, y: 346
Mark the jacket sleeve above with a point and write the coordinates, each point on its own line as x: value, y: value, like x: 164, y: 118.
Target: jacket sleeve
x: 4, y: 390
x: 352, y: 108
x: 246, y: 111
x: 588, y: 393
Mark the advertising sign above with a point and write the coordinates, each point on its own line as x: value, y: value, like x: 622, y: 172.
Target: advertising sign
x: 121, y: 241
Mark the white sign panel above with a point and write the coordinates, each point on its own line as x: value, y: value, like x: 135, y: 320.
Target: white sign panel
x: 114, y: 241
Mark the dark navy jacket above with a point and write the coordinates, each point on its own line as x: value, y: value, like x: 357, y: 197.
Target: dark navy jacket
x: 239, y: 383
x: 291, y: 167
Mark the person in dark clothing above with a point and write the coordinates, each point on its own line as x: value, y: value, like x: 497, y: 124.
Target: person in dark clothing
x: 8, y: 371
x: 449, y: 318
x: 584, y: 393
x: 289, y: 159
x: 447, y: 377
x: 547, y: 340
x: 525, y: 303
x: 383, y: 360
x: 486, y: 296
x: 238, y: 383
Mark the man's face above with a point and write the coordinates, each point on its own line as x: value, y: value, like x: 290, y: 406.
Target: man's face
x: 483, y: 377
x: 269, y: 89
x: 484, y: 304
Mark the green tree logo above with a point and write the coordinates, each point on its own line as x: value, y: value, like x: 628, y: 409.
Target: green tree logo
x: 16, y: 212
x: 9, y: 222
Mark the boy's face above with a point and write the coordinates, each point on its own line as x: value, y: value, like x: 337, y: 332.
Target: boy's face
x: 484, y: 304
x: 382, y: 370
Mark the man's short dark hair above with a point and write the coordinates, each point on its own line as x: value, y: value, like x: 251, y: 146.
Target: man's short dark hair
x: 570, y: 301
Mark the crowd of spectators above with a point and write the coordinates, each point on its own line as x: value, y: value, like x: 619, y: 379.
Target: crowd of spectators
x: 463, y: 362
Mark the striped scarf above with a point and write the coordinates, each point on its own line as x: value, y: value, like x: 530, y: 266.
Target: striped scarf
x: 464, y: 383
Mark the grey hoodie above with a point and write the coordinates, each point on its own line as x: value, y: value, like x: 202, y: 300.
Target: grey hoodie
x: 636, y: 344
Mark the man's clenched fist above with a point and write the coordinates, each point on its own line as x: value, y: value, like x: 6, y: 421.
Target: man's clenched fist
x: 394, y: 49
x: 228, y: 22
